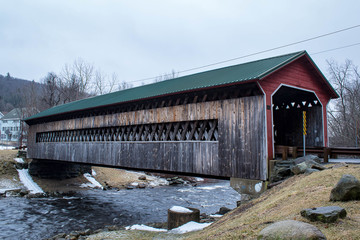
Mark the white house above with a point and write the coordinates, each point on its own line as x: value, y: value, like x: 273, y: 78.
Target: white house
x: 1, y: 115
x: 10, y: 126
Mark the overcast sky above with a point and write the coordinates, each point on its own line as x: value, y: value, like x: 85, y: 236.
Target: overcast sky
x: 140, y: 39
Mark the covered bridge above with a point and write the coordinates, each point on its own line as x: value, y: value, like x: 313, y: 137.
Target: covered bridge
x: 224, y: 122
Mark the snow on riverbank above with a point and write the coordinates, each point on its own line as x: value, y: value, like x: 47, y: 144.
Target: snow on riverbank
x: 143, y: 227
x: 153, y: 181
x: 6, y: 147
x: 187, y: 227
x: 19, y: 160
x: 28, y: 182
x: 93, y: 183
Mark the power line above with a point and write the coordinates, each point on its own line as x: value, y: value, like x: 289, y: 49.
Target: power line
x: 265, y: 51
x: 257, y: 53
x: 333, y: 49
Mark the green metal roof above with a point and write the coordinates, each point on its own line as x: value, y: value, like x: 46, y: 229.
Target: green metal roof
x: 222, y: 76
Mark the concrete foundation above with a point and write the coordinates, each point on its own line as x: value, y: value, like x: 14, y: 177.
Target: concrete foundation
x: 247, y: 186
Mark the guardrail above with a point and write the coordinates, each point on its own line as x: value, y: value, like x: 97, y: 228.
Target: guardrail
x: 324, y: 152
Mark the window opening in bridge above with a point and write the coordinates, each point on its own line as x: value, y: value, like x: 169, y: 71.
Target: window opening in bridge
x: 201, y: 130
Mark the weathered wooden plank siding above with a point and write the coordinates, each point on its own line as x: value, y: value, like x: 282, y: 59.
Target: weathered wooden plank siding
x: 184, y: 157
x: 239, y: 152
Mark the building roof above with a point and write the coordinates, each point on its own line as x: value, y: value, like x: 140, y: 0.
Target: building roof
x: 219, y: 77
x: 14, y: 114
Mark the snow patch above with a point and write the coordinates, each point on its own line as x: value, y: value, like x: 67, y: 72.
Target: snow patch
x: 199, y: 179
x: 93, y: 172
x: 216, y: 215
x: 180, y: 209
x: 143, y: 227
x: 189, y: 227
x: 6, y: 148
x: 28, y: 182
x: 153, y: 181
x: 19, y: 160
x: 4, y: 190
x: 156, y: 181
x: 93, y: 183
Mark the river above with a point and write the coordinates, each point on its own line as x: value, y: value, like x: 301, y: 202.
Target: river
x: 40, y: 218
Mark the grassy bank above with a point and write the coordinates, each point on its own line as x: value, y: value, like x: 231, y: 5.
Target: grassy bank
x: 285, y: 202
x: 282, y: 202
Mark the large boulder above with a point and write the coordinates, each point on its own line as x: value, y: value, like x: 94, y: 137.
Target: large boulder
x: 304, y: 163
x: 299, y: 168
x: 307, y: 158
x: 348, y: 188
x: 324, y: 214
x: 291, y: 229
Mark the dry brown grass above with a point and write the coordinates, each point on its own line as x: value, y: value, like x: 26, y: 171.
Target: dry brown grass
x: 115, y: 177
x: 7, y: 162
x: 285, y: 202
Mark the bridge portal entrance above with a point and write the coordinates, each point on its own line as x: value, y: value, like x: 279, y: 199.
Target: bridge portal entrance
x: 288, y: 104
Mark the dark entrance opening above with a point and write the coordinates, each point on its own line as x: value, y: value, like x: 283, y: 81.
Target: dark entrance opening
x: 288, y: 106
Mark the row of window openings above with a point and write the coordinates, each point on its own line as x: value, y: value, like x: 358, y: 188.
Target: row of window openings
x: 297, y: 105
x: 4, y: 136
x: 10, y: 121
x: 205, y: 130
x: 11, y: 128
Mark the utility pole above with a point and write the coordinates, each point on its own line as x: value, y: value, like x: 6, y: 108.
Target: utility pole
x: 304, y: 130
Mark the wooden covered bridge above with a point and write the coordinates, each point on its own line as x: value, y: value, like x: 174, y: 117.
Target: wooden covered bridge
x: 224, y: 122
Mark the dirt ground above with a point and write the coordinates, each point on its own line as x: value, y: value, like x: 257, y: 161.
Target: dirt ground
x: 8, y: 175
x: 107, y: 177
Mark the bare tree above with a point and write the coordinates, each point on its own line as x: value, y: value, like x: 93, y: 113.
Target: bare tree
x: 75, y: 80
x: 51, y: 95
x: 344, y: 113
x: 104, y: 84
x: 167, y: 76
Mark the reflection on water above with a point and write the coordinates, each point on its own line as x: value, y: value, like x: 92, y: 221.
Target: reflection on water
x: 23, y: 218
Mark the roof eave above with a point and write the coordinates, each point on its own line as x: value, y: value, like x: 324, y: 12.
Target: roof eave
x: 334, y: 94
x: 30, y: 119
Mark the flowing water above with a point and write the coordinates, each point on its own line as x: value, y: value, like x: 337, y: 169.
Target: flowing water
x: 41, y: 218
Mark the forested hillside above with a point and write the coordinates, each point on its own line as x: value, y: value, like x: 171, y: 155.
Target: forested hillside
x: 13, y: 92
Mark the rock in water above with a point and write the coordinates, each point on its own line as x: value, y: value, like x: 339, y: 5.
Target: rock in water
x: 348, y: 188
x: 142, y: 177
x: 223, y: 210
x: 291, y: 229
x: 324, y: 214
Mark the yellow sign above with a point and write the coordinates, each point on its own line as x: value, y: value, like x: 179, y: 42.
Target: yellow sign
x: 304, y: 122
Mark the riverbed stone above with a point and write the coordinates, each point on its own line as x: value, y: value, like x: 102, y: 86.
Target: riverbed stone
x: 327, y: 214
x: 223, y: 210
x: 291, y: 229
x: 348, y: 188
x: 142, y: 178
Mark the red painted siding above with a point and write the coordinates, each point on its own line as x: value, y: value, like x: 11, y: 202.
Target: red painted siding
x: 300, y: 74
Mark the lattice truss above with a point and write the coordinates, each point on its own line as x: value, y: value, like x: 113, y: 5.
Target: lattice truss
x: 201, y: 130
